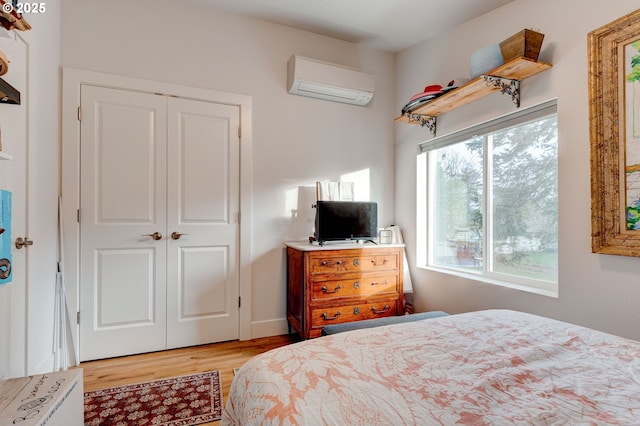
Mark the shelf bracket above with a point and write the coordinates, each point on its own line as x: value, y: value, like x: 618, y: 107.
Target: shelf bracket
x: 424, y: 120
x: 506, y: 85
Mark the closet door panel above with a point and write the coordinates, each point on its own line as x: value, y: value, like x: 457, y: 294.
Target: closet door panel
x: 203, y: 177
x: 122, y: 217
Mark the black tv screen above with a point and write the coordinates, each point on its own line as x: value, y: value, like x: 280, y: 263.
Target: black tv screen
x: 346, y: 220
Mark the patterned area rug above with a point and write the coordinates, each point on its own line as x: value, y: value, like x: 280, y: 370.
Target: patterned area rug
x: 185, y: 400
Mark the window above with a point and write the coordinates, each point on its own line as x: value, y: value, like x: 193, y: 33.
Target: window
x: 488, y: 198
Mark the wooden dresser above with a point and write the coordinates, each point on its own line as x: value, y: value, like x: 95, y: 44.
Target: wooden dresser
x: 342, y: 282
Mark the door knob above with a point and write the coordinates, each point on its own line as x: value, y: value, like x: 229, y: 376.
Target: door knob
x: 176, y: 235
x: 20, y: 242
x: 156, y: 236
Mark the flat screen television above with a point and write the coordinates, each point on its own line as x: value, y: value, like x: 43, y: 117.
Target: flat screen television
x: 346, y: 220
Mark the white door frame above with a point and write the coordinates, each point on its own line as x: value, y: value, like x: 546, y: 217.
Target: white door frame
x: 72, y: 79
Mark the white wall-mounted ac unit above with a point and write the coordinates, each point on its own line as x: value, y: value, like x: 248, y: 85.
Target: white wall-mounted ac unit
x: 317, y: 79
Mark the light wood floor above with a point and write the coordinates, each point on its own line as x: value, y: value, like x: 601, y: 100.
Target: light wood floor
x: 224, y: 356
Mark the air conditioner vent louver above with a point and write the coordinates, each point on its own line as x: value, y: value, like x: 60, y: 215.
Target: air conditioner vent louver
x: 322, y: 80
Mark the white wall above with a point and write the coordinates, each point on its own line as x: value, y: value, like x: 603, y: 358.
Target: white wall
x: 296, y: 140
x: 598, y: 291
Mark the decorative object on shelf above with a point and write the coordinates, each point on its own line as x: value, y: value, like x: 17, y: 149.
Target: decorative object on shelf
x: 430, y: 92
x: 10, y: 18
x: 454, y: 84
x: 485, y: 59
x: 614, y: 125
x: 4, y: 63
x: 526, y: 43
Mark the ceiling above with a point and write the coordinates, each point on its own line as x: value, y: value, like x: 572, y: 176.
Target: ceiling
x: 390, y: 25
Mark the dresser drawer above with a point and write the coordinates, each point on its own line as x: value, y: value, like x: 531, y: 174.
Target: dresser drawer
x: 359, y: 285
x: 319, y: 264
x: 356, y: 312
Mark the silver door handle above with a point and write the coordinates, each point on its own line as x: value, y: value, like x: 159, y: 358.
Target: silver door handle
x: 20, y: 242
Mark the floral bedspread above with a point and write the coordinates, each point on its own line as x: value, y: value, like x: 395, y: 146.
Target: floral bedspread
x: 493, y: 367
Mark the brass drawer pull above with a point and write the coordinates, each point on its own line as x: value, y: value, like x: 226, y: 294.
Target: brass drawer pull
x: 328, y: 318
x: 375, y: 262
x: 382, y: 311
x: 325, y: 263
x: 377, y: 283
x: 325, y: 290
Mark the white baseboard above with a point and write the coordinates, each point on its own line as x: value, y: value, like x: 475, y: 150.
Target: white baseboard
x: 269, y: 328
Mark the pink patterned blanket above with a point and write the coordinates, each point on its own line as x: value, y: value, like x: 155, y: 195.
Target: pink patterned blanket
x: 480, y: 368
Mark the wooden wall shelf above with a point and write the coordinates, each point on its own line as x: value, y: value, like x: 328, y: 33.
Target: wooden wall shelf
x: 8, y: 93
x: 509, y: 74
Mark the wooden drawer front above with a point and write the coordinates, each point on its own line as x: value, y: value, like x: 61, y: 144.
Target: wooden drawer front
x: 335, y: 264
x: 359, y: 286
x: 357, y: 312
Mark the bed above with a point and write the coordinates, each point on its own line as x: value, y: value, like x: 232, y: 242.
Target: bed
x: 490, y: 367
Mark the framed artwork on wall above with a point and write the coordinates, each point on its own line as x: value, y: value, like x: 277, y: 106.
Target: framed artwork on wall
x: 614, y: 126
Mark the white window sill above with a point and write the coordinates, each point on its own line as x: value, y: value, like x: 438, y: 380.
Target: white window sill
x: 549, y: 292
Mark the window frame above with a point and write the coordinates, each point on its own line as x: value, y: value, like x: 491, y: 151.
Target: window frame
x: 425, y: 195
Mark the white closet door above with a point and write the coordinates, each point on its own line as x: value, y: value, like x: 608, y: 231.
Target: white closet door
x: 123, y: 203
x: 203, y: 187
